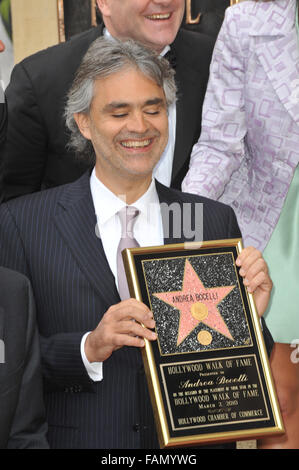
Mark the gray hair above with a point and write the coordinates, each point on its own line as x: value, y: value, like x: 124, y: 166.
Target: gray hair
x: 104, y: 58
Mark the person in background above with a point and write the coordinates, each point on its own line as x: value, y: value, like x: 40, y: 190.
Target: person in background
x: 36, y: 155
x: 22, y: 412
x: 247, y: 156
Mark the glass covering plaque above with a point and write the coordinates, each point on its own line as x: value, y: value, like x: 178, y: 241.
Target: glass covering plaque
x: 208, y: 372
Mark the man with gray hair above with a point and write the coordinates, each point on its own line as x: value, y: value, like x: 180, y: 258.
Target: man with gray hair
x: 68, y: 241
x: 35, y: 154
x: 106, y: 60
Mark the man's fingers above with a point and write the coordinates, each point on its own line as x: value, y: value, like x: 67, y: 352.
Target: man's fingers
x: 127, y: 340
x: 247, y: 257
x: 133, y: 334
x: 135, y: 329
x: 251, y: 264
x: 258, y: 266
x: 121, y: 325
x: 254, y: 270
x: 259, y: 280
x: 130, y: 309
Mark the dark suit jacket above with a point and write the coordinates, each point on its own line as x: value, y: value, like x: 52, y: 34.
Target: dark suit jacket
x: 51, y: 237
x: 212, y: 15
x: 22, y: 414
x: 35, y: 153
x: 3, y: 125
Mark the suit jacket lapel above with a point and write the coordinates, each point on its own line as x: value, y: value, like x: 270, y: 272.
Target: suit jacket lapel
x: 172, y: 226
x: 75, y: 219
x: 284, y: 77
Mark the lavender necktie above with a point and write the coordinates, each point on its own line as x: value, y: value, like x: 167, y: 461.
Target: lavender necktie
x: 128, y: 216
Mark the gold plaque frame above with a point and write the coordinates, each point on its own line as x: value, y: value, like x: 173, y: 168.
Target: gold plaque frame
x: 246, y: 406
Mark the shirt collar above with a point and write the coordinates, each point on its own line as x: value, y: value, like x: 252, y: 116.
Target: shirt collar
x: 107, y: 204
x: 108, y: 35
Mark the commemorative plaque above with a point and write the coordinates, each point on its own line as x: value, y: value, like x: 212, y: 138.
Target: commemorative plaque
x: 208, y: 372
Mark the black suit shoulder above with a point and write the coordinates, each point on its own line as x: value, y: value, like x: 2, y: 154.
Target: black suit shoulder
x: 193, y: 53
x: 184, y: 197
x: 37, y: 206
x: 40, y: 207
x: 189, y: 44
x: 52, y: 68
x: 74, y: 190
x: 70, y: 51
x: 218, y: 220
x: 80, y: 188
x: 35, y: 155
x: 71, y: 192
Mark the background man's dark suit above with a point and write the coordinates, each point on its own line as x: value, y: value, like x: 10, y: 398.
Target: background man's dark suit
x: 3, y: 121
x: 35, y: 152
x: 22, y: 414
x: 51, y: 237
x: 3, y: 125
x: 212, y: 15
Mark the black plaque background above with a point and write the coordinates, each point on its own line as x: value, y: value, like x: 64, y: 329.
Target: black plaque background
x: 253, y: 349
x: 221, y: 406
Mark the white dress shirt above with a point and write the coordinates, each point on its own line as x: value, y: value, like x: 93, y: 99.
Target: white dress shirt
x: 148, y: 231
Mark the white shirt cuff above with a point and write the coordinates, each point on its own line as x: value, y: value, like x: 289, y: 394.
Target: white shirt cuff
x: 94, y: 369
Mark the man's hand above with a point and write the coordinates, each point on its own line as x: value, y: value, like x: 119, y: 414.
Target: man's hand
x: 2, y: 47
x: 254, y: 270
x: 120, y: 326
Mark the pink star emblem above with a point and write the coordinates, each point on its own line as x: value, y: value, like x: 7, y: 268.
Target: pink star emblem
x: 197, y: 304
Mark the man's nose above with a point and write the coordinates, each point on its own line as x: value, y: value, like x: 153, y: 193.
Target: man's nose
x: 137, y: 123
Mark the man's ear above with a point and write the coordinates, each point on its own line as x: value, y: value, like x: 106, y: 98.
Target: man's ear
x: 103, y: 6
x: 83, y: 123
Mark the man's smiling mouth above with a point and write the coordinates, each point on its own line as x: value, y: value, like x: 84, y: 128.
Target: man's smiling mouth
x: 159, y: 16
x: 134, y: 144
